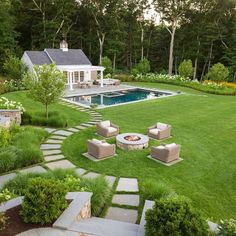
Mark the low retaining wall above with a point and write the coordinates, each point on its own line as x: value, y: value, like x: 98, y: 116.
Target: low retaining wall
x: 14, y: 115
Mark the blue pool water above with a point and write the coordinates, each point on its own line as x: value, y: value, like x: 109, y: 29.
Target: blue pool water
x: 119, y: 97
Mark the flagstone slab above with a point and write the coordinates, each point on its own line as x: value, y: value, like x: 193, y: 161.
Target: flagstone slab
x: 54, y: 157
x: 126, y: 199
x: 63, y: 164
x: 110, y: 179
x: 121, y: 214
x: 86, y: 125
x: 54, y: 141
x: 80, y: 171
x: 63, y: 133
x: 50, y: 130
x: 50, y: 146
x: 58, y: 137
x: 5, y: 178
x: 80, y: 127
x: 73, y: 130
x: 51, y: 152
x: 91, y: 175
x: 34, y: 169
x: 127, y: 185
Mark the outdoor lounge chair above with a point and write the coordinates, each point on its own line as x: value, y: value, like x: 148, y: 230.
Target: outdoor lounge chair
x: 100, y: 149
x: 159, y: 131
x: 107, y: 129
x: 166, y: 153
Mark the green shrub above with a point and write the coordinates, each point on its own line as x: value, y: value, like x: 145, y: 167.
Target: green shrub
x: 186, y: 69
x: 8, y: 157
x: 101, y: 193
x: 106, y: 62
x: 227, y: 227
x: 44, y: 201
x: 218, y: 73
x: 153, y: 190
x: 26, y: 118
x: 5, y: 137
x: 143, y: 67
x: 174, y: 216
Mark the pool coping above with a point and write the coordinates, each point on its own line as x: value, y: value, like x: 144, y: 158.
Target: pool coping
x: 170, y: 94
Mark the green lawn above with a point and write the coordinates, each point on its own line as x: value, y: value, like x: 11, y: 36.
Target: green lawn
x: 203, y: 124
x: 73, y: 116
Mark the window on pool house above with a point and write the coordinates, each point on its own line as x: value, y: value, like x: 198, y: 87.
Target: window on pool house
x: 76, y: 76
x: 81, y: 76
x: 66, y: 74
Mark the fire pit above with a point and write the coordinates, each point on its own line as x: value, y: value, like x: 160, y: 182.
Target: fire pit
x: 132, y: 141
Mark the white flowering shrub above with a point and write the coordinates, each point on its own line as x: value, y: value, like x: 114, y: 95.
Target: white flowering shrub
x: 7, y: 104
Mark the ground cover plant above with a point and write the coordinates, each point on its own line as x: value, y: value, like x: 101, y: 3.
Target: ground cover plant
x: 201, y: 124
x: 59, y: 115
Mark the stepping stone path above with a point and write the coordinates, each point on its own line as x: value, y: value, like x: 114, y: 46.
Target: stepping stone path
x: 127, y: 185
x: 63, y: 164
x: 91, y: 175
x: 34, y: 169
x: 53, y: 157
x: 121, y: 214
x: 80, y: 171
x: 50, y: 146
x: 110, y: 179
x: 6, y: 178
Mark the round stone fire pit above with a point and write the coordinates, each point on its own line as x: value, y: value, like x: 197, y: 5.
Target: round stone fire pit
x: 132, y: 141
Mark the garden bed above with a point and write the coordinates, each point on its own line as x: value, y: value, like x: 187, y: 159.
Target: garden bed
x: 16, y: 225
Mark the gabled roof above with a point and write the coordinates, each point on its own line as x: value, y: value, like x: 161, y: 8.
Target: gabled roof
x: 38, y: 58
x: 70, y: 57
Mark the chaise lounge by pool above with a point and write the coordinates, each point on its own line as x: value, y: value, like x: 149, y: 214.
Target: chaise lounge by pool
x: 113, y: 98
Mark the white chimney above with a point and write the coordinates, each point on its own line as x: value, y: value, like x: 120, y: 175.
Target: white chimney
x: 64, y: 46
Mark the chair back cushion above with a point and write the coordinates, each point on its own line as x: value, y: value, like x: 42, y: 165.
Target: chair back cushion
x: 106, y: 123
x: 161, y: 126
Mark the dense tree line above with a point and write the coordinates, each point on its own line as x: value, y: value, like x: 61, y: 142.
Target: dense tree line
x: 203, y: 31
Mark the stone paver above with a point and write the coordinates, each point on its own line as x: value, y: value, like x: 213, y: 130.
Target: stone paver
x: 50, y: 146
x: 126, y: 199
x: 73, y: 130
x: 54, y: 157
x: 80, y: 127
x: 51, y: 152
x: 49, y: 232
x: 63, y: 164
x: 80, y: 171
x: 110, y: 179
x: 63, y: 133
x: 127, y: 185
x: 57, y: 137
x: 91, y: 175
x: 54, y: 141
x: 34, y: 169
x: 50, y: 130
x: 6, y: 178
x: 120, y: 214
x: 86, y: 125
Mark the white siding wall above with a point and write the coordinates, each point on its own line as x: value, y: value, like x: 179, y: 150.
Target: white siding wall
x: 26, y: 60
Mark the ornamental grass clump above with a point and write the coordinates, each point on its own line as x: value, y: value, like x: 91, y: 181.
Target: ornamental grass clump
x: 44, y: 200
x: 175, y: 217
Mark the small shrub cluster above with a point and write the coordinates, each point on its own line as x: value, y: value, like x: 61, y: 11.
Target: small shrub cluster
x: 218, y: 73
x: 39, y: 119
x: 44, y: 200
x: 174, y: 216
x: 107, y: 63
x: 12, y: 85
x: 227, y: 228
x: 143, y: 67
x: 186, y: 69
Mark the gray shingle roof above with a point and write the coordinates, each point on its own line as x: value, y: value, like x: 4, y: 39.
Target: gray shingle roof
x: 70, y: 57
x: 38, y: 58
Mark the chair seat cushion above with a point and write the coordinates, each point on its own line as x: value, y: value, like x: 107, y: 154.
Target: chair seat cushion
x: 171, y: 145
x: 105, y: 144
x: 111, y: 129
x: 160, y: 147
x: 154, y: 131
x: 96, y: 141
x: 106, y: 123
x: 161, y: 126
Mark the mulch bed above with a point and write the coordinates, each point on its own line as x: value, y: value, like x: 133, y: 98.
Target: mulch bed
x: 15, y: 224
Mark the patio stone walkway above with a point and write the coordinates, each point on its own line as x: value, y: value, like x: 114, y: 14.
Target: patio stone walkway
x: 91, y: 175
x: 63, y: 164
x: 6, y: 178
x: 126, y: 199
x: 127, y: 185
x: 34, y: 169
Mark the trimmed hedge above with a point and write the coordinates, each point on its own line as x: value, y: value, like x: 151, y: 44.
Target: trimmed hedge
x: 176, y: 217
x: 44, y: 201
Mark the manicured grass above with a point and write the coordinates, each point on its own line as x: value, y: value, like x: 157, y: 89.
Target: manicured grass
x: 73, y: 116
x: 203, y: 124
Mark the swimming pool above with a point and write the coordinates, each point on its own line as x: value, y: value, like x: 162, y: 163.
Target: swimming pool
x: 117, y: 97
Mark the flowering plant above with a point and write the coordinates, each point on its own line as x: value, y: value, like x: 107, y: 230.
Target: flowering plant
x: 7, y: 104
x: 227, y: 227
